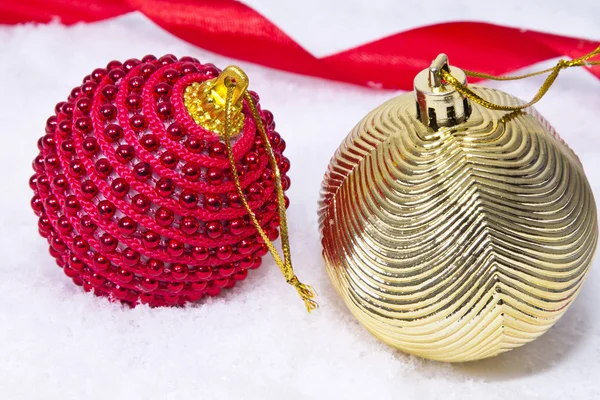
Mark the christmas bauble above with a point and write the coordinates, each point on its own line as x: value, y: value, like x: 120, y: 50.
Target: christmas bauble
x: 452, y: 231
x: 134, y: 190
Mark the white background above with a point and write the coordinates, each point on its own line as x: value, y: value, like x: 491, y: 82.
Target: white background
x: 257, y: 342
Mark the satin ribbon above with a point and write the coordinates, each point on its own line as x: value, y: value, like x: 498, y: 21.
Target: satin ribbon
x: 235, y: 30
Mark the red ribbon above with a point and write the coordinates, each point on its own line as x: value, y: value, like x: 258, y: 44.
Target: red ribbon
x: 235, y: 30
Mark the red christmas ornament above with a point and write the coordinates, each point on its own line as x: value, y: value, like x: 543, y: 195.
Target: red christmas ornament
x: 138, y: 202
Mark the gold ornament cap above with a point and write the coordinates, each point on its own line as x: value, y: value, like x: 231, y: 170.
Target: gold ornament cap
x: 438, y: 103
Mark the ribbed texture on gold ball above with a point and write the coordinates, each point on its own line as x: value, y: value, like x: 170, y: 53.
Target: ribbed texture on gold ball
x: 459, y: 244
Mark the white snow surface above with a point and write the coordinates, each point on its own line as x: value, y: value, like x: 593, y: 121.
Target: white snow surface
x: 256, y: 341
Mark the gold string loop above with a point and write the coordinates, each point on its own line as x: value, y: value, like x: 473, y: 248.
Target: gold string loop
x: 306, y: 292
x: 554, y: 71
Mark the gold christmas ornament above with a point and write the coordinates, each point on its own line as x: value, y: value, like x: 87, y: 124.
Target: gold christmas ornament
x: 456, y: 224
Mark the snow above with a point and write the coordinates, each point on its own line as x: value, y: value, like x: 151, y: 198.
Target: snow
x: 257, y: 341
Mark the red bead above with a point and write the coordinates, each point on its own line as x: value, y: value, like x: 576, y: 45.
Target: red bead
x: 236, y: 226
x: 171, y: 75
x: 89, y: 189
x: 130, y: 257
x: 110, y: 92
x: 174, y: 248
x: 125, y: 153
x: 164, y: 110
x: 169, y: 159
x: 256, y: 262
x: 149, y: 284
x: 76, y: 169
x: 240, y: 275
x: 203, y: 272
x: 247, y: 262
x: 261, y: 249
x: 97, y: 280
x: 142, y: 171
x: 51, y: 124
x: 84, y: 105
x: 162, y: 90
x: 74, y: 93
x: 106, y: 209
x: 51, y: 204
x: 90, y: 146
x: 98, y: 74
x: 200, y: 253
x: 80, y: 246
x: 128, y: 65
x: 285, y: 183
x: 218, y: 150
x: 150, y: 239
x: 191, y: 171
x: 65, y: 127
x: 220, y: 282
x: 147, y: 69
x: 150, y: 142
x: 33, y: 182
x: 72, y: 205
x: 188, y: 225
x: 188, y: 68
x: 87, y: 225
x: 51, y: 162
x: 234, y: 200
x: 133, y: 102
x: 155, y: 267
x: 108, y: 112
x: 113, y: 64
x: 195, y: 145
x: 198, y: 286
x: 44, y: 224
x: 188, y: 199
x: 179, y: 271
x: 138, y: 122
x: 214, y: 176
x: 224, y: 252
x: 176, y: 131
x: 252, y: 160
x: 148, y: 58
x: 124, y: 276
x: 100, y: 262
x: 116, y: 74
x: 127, y: 226
x: 175, y: 287
x: 226, y: 270
x: 58, y: 245
x: 212, y: 202
x: 67, y: 109
x: 68, y: 147
x: 167, y: 59
x: 37, y: 204
x: 136, y: 83
x: 255, y: 191
x: 38, y: 163
x: 140, y: 203
x: 165, y: 187
x: 113, y: 132
x: 214, y: 229
x: 103, y: 167
x: 108, y: 243
x: 164, y: 216
x: 120, y: 187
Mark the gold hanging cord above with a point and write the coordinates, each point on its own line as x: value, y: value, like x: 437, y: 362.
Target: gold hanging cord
x: 217, y: 105
x: 554, y: 71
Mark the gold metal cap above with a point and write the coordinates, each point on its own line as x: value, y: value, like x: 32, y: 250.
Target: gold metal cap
x: 440, y: 104
x: 205, y: 101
